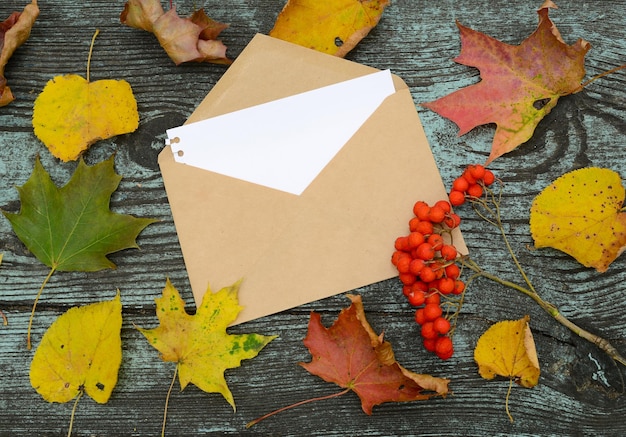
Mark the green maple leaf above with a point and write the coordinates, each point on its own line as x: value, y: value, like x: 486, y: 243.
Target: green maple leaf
x: 71, y: 228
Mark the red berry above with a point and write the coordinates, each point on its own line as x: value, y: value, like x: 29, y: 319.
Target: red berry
x: 404, y: 264
x: 443, y: 347
x: 436, y: 214
x: 421, y: 211
x: 453, y: 271
x: 428, y: 330
x: 427, y: 274
x: 446, y: 285
x: 441, y: 325
x: 406, y: 289
x: 438, y: 269
x: 415, y: 239
x: 452, y: 221
x: 407, y: 278
x: 468, y: 176
x: 457, y: 197
x: 475, y: 190
x: 416, y: 266
x: 477, y: 171
x: 424, y: 227
x: 420, y: 285
x: 419, y: 316
x: 448, y: 252
x: 430, y: 344
x: 433, y: 298
x: 413, y: 224
x: 445, y: 205
x: 402, y: 243
x: 420, y: 204
x: 416, y: 297
x: 395, y: 256
x: 432, y: 311
x: 460, y: 184
x: 436, y: 241
x: 489, y: 177
x: 459, y: 287
x: 425, y: 251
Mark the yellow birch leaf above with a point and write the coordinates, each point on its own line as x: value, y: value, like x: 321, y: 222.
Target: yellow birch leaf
x: 81, y: 352
x: 334, y: 27
x: 508, y: 349
x: 72, y: 113
x: 581, y: 214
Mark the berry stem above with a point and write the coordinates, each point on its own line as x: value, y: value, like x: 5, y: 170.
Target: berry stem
x: 492, y: 215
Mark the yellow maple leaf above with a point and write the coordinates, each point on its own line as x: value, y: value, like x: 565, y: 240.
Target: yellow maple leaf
x: 71, y: 113
x: 507, y: 349
x: 581, y: 214
x: 80, y: 352
x: 199, y: 343
x: 334, y: 27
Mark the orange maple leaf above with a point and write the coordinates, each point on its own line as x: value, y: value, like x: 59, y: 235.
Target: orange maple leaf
x: 351, y: 355
x: 520, y: 84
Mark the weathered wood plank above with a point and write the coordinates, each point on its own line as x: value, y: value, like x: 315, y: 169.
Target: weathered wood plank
x: 580, y: 388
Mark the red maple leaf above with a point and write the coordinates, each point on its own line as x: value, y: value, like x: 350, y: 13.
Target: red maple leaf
x: 520, y: 84
x: 352, y: 356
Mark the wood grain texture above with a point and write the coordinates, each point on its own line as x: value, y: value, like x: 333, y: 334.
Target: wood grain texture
x: 581, y: 391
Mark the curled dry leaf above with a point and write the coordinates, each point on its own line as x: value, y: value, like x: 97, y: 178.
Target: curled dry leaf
x: 183, y: 39
x: 14, y: 31
x: 581, y: 214
x: 519, y: 84
x: 332, y: 26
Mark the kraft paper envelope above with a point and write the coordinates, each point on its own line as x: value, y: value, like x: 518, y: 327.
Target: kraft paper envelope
x: 245, y: 210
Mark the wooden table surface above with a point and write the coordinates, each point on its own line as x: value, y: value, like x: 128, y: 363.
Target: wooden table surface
x: 580, y: 392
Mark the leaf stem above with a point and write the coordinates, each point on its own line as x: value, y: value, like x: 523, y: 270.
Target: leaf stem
x: 167, y: 401
x: 5, y: 322
x: 80, y: 394
x: 506, y: 400
x: 297, y: 404
x: 32, y: 313
x: 606, y: 73
x: 93, y: 41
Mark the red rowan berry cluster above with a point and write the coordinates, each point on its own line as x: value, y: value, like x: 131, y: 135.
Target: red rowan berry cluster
x: 470, y: 183
x: 425, y: 260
